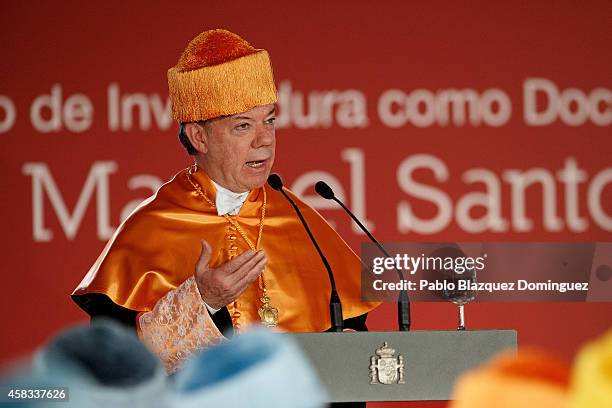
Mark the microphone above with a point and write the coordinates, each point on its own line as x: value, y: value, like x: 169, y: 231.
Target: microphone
x: 403, y: 302
x: 335, y: 307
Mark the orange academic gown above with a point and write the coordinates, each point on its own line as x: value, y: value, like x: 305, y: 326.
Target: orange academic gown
x: 156, y: 249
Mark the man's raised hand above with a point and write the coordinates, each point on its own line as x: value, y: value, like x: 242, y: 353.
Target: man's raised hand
x: 222, y: 285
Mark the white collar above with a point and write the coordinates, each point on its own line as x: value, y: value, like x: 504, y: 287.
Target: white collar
x: 228, y: 202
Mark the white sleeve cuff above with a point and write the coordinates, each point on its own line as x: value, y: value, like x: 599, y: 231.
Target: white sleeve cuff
x: 211, y: 309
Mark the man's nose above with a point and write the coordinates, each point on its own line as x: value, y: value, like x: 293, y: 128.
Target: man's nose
x: 263, y: 137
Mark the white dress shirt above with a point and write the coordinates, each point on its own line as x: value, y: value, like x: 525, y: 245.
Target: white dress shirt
x: 228, y: 202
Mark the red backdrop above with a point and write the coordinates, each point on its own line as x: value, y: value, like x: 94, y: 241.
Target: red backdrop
x: 413, y: 110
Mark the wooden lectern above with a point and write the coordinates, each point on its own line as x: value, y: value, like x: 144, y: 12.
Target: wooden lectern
x: 399, y: 366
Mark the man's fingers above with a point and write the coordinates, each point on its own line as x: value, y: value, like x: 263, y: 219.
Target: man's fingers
x: 247, y: 266
x: 205, y: 255
x: 247, y: 279
x: 253, y: 272
x: 243, y: 259
x: 239, y: 275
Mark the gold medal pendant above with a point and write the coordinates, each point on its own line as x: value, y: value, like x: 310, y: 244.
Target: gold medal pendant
x: 268, y: 313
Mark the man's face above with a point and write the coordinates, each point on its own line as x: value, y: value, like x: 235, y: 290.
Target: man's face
x: 238, y: 150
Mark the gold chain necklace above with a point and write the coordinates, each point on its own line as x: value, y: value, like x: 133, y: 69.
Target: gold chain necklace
x: 267, y: 313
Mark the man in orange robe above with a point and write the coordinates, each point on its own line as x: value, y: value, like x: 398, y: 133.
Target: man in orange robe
x: 214, y: 250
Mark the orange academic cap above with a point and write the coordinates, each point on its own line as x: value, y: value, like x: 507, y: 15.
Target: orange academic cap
x: 219, y: 74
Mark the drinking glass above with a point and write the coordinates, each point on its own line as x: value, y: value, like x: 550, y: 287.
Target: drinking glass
x: 462, y: 292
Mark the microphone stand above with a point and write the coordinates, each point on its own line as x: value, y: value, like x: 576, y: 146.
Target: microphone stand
x: 335, y: 306
x: 403, y: 302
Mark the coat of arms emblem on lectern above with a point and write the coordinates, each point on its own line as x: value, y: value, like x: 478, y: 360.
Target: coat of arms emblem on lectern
x: 385, y: 368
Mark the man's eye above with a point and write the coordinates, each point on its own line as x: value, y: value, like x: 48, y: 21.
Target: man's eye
x: 271, y: 121
x: 242, y: 126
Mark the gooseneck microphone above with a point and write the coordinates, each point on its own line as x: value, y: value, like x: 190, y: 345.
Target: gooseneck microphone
x: 335, y: 307
x: 403, y: 302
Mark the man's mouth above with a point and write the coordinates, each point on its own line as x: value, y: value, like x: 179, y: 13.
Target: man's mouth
x: 256, y: 163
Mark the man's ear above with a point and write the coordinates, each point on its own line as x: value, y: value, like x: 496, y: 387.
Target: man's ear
x: 198, y: 136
